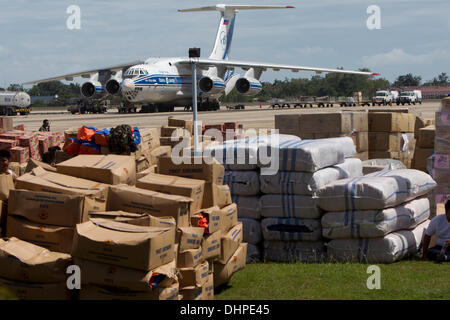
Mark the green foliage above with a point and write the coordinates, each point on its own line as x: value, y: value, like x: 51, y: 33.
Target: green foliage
x: 52, y: 88
x: 407, y: 80
x: 15, y: 87
x: 441, y: 80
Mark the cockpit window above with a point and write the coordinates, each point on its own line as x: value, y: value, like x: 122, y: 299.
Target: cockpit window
x: 132, y: 72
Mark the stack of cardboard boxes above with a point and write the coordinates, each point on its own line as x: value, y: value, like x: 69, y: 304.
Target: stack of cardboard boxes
x: 424, y: 147
x: 177, y: 130
x: 391, y: 136
x: 328, y: 125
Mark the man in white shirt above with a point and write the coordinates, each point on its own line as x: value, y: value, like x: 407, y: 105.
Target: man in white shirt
x: 439, y: 226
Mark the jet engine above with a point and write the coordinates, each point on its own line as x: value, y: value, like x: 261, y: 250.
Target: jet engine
x: 91, y: 88
x: 113, y: 86
x: 248, y: 86
x: 211, y: 85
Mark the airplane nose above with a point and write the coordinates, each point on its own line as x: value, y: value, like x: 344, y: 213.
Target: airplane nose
x: 128, y: 85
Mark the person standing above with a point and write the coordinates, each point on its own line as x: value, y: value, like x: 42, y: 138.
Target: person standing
x: 45, y: 126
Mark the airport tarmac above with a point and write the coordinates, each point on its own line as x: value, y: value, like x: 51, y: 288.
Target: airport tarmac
x: 252, y: 117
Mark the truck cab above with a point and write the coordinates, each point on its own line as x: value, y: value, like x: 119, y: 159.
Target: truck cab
x: 382, y: 97
x: 411, y: 97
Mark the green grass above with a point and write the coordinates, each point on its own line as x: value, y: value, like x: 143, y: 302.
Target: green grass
x: 409, y: 279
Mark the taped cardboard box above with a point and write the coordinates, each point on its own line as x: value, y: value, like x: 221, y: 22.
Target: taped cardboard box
x: 125, y: 278
x: 54, y: 238
x: 174, y: 185
x: 93, y: 292
x: 194, y: 277
x: 189, y: 238
x: 167, y: 131
x: 208, y: 169
x: 110, y: 169
x: 37, y: 291
x: 27, y: 262
x: 190, y: 258
x: 182, y: 123
x: 136, y: 200
x: 122, y: 244
x: 384, y: 141
x: 6, y: 184
x: 211, y: 219
x: 391, y: 122
x: 211, y: 245
x: 149, y: 138
x: 161, y: 151
x: 151, y: 169
x: 229, y: 242
x: 216, y: 195
x: 224, y: 272
x: 420, y: 158
x: 230, y: 215
x: 32, y: 163
x: 425, y: 137
x: 41, y: 180
x: 51, y: 208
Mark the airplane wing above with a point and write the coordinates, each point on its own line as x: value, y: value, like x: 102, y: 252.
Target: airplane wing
x: 264, y: 66
x: 85, y: 74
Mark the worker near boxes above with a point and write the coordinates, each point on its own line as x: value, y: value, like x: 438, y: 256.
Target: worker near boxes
x: 45, y: 126
x: 439, y: 226
x: 5, y: 158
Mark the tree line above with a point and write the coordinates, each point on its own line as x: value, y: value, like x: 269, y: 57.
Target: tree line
x: 332, y: 84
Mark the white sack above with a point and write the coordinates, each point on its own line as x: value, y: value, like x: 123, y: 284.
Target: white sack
x: 289, y: 206
x: 375, y: 223
x: 291, y: 229
x: 251, y: 230
x: 306, y: 183
x: 242, y: 183
x: 387, y: 249
x: 291, y: 251
x: 379, y: 190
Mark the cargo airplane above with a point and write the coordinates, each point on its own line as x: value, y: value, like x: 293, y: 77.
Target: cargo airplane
x: 159, y: 84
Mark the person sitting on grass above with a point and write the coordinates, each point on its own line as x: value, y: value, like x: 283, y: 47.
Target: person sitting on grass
x: 5, y: 158
x: 439, y: 226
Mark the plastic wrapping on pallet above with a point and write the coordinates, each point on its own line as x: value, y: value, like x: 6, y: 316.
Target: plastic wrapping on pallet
x: 379, y: 190
x: 312, y: 155
x: 375, y: 223
x: 306, y: 183
x: 390, y: 248
x: 248, y: 207
x: 290, y: 251
x: 242, y: 183
x: 289, y: 206
x: 251, y: 230
x: 291, y: 229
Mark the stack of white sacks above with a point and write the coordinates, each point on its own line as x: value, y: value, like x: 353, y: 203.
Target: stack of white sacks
x: 377, y: 218
x: 277, y: 209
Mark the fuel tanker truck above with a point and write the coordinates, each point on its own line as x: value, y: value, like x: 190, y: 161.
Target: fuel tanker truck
x: 12, y: 103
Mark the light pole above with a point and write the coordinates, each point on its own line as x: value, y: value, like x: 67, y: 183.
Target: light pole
x: 194, y: 53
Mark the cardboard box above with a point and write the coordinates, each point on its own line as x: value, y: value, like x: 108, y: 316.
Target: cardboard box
x: 208, y: 288
x: 340, y: 122
x: 419, y: 124
x: 230, y: 215
x: 93, y: 292
x: 161, y: 151
x: 19, y: 154
x: 151, y: 169
x: 192, y: 293
x: 189, y: 258
x: 194, y: 277
x: 211, y: 245
x: 172, y: 142
x: 6, y: 123
x: 426, y: 137
x: 216, y: 195
x: 41, y: 180
x: 136, y: 200
x: 149, y: 138
x: 186, y: 187
x: 51, y: 208
x: 181, y: 123
x: 215, y: 220
x: 138, y: 219
x: 37, y: 291
x: 54, y: 238
x: 189, y: 238
x: 125, y: 278
x: 391, y: 122
x: 122, y: 244
x: 142, y: 164
x: 32, y: 163
x: 420, y: 158
x: 224, y: 272
x: 110, y: 169
x: 197, y: 168
x: 384, y: 141
x: 27, y: 262
x: 167, y: 131
x: 6, y: 184
x: 229, y: 243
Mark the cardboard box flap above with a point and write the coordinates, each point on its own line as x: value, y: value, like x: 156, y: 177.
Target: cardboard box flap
x: 190, y: 238
x: 155, y: 178
x: 125, y: 227
x: 125, y: 187
x: 116, y: 214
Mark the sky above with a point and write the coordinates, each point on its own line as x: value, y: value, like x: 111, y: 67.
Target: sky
x: 36, y: 43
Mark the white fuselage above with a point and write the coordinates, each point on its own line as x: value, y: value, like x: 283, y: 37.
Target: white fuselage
x: 159, y: 81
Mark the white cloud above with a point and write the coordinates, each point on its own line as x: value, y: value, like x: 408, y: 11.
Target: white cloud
x: 400, y: 57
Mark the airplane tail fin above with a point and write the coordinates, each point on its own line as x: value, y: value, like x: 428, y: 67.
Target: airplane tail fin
x: 222, y: 45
